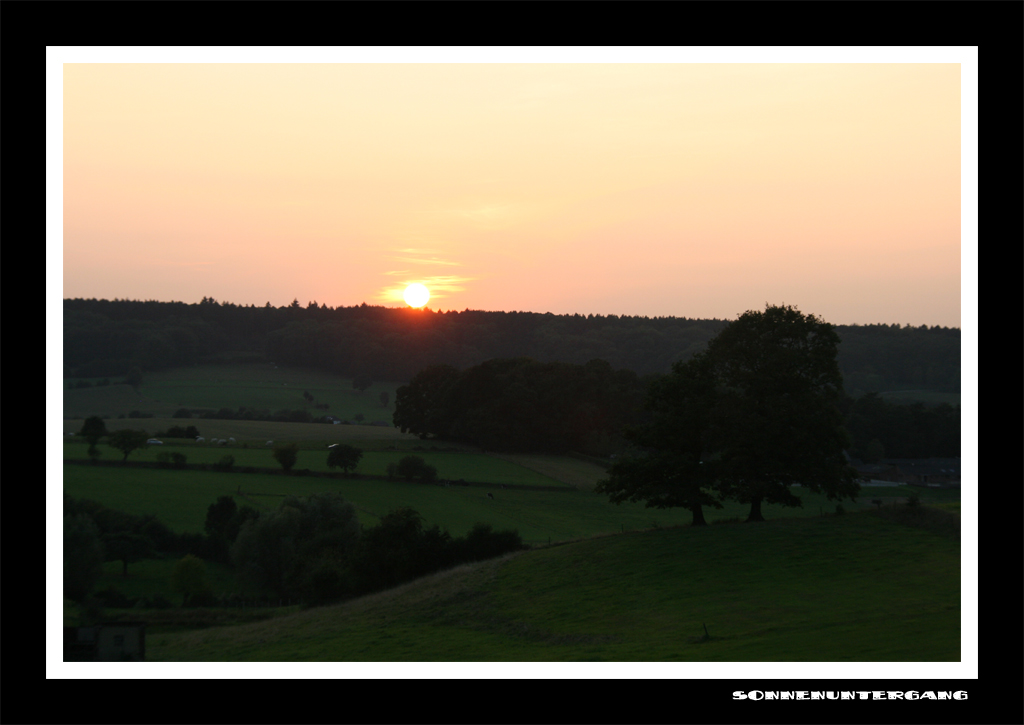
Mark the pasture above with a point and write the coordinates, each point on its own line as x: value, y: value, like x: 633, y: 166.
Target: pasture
x: 260, y: 386
x: 796, y: 589
x: 180, y: 499
x: 619, y: 583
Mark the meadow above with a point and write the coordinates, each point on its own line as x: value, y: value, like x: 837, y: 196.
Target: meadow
x: 602, y: 581
x: 797, y: 589
x: 261, y: 386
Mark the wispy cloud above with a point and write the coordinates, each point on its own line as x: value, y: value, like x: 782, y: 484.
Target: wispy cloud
x: 440, y: 286
x: 427, y: 261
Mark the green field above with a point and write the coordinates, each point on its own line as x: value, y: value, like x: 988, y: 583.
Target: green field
x: 450, y: 465
x: 180, y: 499
x: 810, y: 589
x: 211, y: 387
x: 620, y: 583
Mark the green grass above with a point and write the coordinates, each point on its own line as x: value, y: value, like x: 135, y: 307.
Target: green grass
x: 842, y: 588
x: 463, y: 465
x: 259, y: 386
x: 152, y: 576
x: 255, y: 433
x: 180, y: 499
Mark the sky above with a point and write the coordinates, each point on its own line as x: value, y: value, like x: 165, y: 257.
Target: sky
x: 688, y: 182
x: 689, y: 189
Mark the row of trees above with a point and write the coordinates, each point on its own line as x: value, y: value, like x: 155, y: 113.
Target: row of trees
x: 880, y: 429
x: 756, y: 413
x: 311, y: 548
x: 520, y: 404
x: 94, y: 533
x: 107, y: 337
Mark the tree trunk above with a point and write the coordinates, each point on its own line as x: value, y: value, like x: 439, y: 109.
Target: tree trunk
x: 755, y: 511
x: 698, y: 516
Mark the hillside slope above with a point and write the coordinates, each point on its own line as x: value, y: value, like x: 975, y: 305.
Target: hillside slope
x: 830, y: 589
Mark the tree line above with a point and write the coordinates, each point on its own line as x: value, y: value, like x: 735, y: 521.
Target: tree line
x: 522, y: 405
x: 754, y: 415
x: 310, y: 549
x: 106, y: 338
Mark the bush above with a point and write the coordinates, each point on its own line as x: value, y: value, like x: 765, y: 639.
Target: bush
x: 412, y: 467
x: 286, y: 454
x: 182, y: 413
x: 189, y: 579
x: 115, y: 599
x: 281, y: 550
x: 482, y: 542
x: 225, y: 464
x: 344, y: 457
x: 83, y: 552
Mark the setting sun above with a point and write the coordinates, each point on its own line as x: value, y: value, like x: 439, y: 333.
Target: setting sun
x: 416, y: 295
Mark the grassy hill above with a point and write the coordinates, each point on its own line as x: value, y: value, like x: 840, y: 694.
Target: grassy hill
x: 839, y: 588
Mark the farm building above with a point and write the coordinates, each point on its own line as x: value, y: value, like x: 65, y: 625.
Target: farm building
x: 117, y: 642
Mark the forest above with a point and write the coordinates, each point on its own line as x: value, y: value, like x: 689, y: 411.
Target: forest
x: 105, y: 338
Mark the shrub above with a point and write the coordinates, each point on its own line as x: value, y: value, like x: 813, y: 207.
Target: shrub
x: 224, y: 464
x: 286, y: 454
x: 83, y: 554
x: 411, y: 467
x: 189, y: 579
x: 115, y: 599
x: 482, y: 542
x: 344, y: 457
x: 280, y: 550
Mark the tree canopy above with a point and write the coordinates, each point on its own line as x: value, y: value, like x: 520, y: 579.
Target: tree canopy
x: 127, y: 440
x: 778, y: 418
x: 670, y: 469
x: 753, y: 416
x: 344, y: 457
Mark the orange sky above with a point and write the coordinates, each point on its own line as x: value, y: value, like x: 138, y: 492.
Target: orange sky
x: 684, y: 189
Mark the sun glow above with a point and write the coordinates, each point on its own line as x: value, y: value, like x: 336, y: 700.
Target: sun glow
x: 416, y: 295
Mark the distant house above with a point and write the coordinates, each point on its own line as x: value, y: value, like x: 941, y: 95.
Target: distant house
x: 116, y: 642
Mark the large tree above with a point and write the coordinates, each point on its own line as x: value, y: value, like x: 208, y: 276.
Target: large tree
x: 344, y: 457
x: 672, y: 466
x: 127, y: 440
x: 421, y: 407
x: 777, y: 420
x: 93, y: 429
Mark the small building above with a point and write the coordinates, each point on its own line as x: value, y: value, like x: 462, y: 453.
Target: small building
x: 114, y: 642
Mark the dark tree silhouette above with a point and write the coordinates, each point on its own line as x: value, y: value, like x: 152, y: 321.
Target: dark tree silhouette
x: 777, y: 420
x: 127, y: 440
x: 344, y: 457
x: 92, y: 430
x: 286, y: 454
x: 673, y: 466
